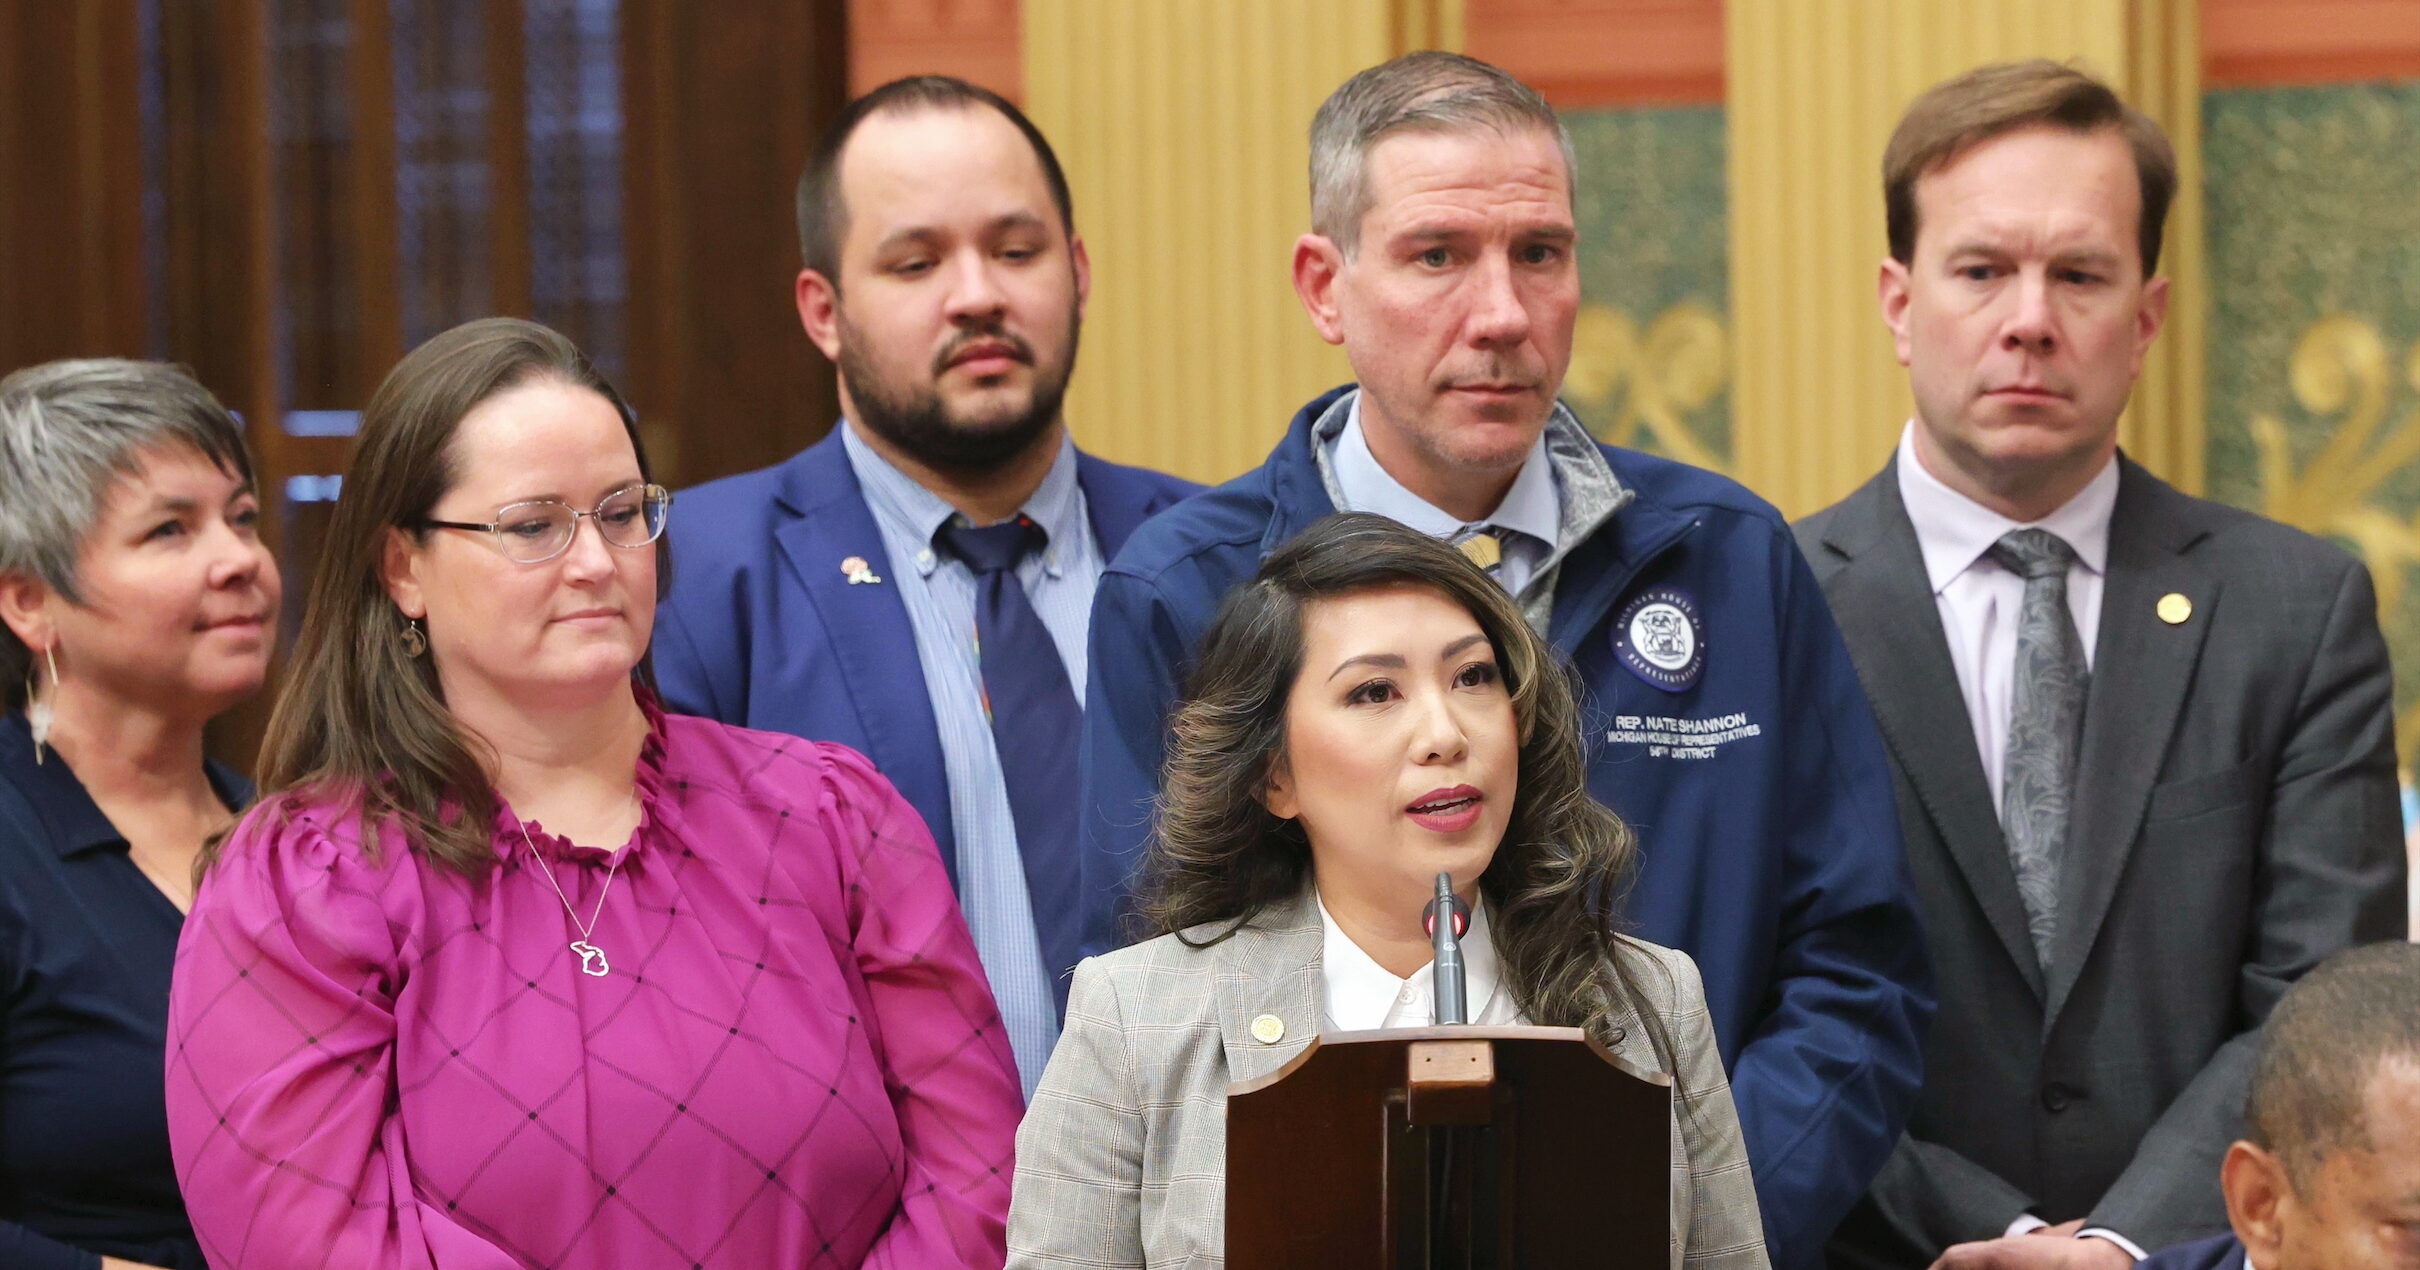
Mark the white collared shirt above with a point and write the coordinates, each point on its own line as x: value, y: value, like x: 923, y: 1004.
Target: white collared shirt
x: 2027, y: 1223
x: 1981, y: 600
x: 1532, y: 508
x: 1361, y: 996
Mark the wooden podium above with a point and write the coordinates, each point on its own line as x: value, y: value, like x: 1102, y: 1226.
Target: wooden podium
x: 1422, y: 1148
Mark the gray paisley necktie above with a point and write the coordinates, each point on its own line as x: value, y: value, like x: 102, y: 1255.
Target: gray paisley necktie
x: 2045, y: 726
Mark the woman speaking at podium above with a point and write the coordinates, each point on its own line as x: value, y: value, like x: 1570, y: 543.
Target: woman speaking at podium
x: 1369, y: 711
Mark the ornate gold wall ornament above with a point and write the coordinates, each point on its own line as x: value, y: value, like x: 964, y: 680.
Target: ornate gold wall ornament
x: 2341, y: 366
x: 1662, y: 377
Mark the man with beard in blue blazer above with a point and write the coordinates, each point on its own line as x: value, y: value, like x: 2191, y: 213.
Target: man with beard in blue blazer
x: 1725, y: 720
x: 917, y: 584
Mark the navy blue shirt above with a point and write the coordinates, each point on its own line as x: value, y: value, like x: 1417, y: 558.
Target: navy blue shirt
x: 86, y: 944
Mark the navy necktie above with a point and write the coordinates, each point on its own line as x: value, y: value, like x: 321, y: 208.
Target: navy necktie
x: 1035, y: 725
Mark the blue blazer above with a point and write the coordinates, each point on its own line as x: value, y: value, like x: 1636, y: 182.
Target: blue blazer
x: 1770, y: 848
x: 762, y: 629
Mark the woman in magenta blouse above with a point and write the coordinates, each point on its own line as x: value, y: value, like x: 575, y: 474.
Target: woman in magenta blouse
x: 509, y: 968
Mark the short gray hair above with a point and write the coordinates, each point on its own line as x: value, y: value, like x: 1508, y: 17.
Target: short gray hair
x: 68, y: 431
x: 1427, y: 91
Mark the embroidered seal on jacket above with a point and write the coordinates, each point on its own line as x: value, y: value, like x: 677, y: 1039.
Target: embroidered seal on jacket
x: 1661, y: 639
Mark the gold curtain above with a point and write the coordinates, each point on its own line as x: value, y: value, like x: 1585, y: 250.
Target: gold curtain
x: 1813, y: 88
x: 1183, y: 125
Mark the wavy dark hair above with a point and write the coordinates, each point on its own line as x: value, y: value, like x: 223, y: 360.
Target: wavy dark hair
x: 360, y: 718
x: 1219, y: 857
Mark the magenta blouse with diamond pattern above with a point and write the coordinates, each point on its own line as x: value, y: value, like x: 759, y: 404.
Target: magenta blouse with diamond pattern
x: 793, y: 1062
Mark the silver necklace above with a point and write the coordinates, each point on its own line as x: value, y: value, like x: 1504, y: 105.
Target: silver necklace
x: 592, y: 958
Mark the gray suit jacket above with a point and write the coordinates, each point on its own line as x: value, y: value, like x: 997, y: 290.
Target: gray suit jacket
x: 2235, y: 821
x: 1122, y: 1158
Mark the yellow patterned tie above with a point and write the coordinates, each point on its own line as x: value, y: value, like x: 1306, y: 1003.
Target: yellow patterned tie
x: 1484, y: 550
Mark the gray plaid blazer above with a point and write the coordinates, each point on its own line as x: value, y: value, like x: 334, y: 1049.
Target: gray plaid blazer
x: 1122, y: 1158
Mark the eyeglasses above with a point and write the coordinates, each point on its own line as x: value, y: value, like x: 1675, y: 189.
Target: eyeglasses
x: 541, y: 529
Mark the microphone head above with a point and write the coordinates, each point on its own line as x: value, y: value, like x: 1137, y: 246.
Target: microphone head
x: 1428, y: 917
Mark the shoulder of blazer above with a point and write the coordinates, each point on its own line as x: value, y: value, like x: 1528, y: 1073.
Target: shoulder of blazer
x: 738, y: 512
x: 1853, y: 525
x: 2245, y: 540
x: 1121, y: 498
x: 1676, y: 987
x: 1269, y: 944
x: 1153, y: 488
x: 1158, y: 955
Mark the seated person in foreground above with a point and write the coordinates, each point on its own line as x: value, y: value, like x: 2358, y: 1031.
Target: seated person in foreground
x: 2328, y: 1174
x: 510, y: 968
x: 1370, y: 710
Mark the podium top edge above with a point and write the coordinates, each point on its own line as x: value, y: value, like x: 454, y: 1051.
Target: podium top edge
x: 1454, y: 1032
x: 1405, y: 1036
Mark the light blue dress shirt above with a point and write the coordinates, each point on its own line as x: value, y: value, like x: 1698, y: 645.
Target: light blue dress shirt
x: 939, y: 592
x: 1525, y: 523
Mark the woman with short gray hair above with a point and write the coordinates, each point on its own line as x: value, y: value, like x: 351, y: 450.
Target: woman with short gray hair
x: 136, y: 602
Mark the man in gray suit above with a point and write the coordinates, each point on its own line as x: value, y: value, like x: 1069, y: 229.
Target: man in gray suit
x: 2142, y: 742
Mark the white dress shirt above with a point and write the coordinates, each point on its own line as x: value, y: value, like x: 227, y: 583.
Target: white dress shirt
x: 1361, y: 996
x: 1981, y: 600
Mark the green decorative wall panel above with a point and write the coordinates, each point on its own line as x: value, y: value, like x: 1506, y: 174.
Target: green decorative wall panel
x: 2314, y: 220
x: 1651, y: 361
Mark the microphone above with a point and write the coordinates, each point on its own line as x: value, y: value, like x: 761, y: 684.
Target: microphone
x: 1445, y: 940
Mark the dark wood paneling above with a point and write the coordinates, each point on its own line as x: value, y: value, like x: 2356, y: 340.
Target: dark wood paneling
x: 312, y: 196
x: 508, y: 159
x: 219, y: 248
x: 721, y: 103
x: 71, y: 182
x: 220, y: 231
x: 371, y: 231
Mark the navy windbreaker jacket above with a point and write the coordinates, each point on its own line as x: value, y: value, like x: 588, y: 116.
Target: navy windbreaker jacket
x: 1751, y: 770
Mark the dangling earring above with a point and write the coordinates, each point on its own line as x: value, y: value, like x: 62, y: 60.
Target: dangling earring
x: 415, y: 644
x: 37, y: 709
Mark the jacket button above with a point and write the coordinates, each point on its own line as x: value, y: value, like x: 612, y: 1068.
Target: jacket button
x: 2055, y: 1097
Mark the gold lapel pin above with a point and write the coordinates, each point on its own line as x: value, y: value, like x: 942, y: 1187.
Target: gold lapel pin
x: 1268, y: 1029
x: 858, y: 572
x: 2175, y: 608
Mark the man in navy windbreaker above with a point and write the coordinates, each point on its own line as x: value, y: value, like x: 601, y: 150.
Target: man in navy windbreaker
x: 1726, y: 722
